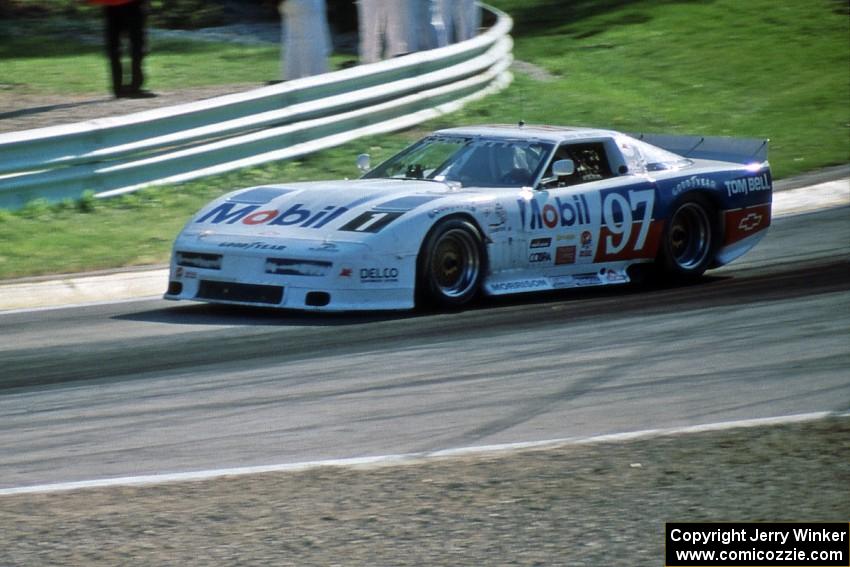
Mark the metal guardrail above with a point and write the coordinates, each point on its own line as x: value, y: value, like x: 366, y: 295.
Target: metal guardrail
x: 120, y: 154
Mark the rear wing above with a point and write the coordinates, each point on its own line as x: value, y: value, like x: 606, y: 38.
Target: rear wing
x: 736, y: 150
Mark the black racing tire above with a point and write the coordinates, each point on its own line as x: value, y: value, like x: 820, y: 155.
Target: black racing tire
x: 690, y: 239
x: 451, y: 265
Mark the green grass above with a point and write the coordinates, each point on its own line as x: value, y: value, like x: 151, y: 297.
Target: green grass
x: 764, y: 68
x: 75, y: 64
x: 774, y: 69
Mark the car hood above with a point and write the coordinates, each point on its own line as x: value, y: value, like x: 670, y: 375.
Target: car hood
x: 338, y: 210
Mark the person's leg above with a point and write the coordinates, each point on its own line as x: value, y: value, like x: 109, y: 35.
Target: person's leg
x: 135, y: 21
x: 370, y: 31
x: 112, y: 35
x: 398, y: 27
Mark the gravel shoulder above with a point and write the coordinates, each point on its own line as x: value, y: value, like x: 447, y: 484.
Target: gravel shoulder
x: 597, y: 504
x: 28, y: 111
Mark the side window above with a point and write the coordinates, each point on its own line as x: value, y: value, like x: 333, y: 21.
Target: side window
x: 633, y: 157
x: 591, y: 164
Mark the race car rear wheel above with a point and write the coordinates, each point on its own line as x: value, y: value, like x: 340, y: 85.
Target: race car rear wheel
x: 451, y: 265
x: 689, y: 239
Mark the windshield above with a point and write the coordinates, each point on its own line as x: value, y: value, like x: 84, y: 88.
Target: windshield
x: 471, y: 162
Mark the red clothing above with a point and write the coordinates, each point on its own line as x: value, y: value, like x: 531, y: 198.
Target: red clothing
x: 110, y: 2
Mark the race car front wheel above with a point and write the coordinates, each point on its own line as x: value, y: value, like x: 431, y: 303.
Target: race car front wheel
x: 689, y: 239
x: 451, y: 265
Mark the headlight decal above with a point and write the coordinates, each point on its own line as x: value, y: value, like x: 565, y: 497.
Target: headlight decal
x: 198, y: 260
x: 293, y: 267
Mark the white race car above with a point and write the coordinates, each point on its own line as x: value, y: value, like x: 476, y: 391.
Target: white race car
x: 481, y: 210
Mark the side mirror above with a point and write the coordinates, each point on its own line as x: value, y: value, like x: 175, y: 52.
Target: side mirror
x: 363, y: 162
x: 563, y: 167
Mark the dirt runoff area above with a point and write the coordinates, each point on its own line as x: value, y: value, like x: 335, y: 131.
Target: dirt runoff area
x: 594, y: 504
x: 25, y: 111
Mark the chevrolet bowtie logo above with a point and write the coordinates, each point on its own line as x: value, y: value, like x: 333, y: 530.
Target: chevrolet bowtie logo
x: 750, y: 222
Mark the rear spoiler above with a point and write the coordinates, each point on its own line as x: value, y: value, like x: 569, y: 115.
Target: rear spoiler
x: 737, y: 150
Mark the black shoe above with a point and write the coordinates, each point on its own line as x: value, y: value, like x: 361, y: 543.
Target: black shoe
x: 138, y: 93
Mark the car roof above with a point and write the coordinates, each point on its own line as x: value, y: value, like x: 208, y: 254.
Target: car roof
x: 523, y: 131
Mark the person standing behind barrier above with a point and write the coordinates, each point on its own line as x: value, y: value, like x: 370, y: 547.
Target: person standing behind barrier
x: 125, y: 17
x: 387, y: 28
x: 306, y: 39
x: 461, y: 19
x: 428, y: 24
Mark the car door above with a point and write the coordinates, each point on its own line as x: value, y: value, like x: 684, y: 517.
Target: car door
x: 594, y: 217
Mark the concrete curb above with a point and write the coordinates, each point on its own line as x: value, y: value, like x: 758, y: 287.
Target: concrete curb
x: 77, y: 289
x: 813, y: 198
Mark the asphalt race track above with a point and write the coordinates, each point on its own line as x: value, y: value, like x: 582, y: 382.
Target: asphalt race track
x: 157, y: 387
